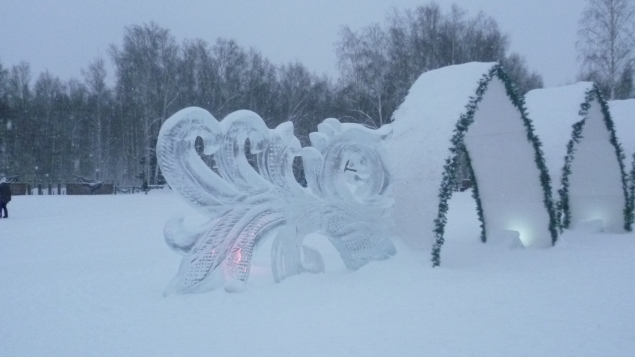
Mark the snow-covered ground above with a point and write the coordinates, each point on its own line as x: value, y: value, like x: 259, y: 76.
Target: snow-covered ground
x: 84, y: 275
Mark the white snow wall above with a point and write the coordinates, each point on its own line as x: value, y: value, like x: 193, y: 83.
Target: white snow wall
x: 582, y: 154
x: 474, y: 105
x: 623, y: 115
x: 507, y: 177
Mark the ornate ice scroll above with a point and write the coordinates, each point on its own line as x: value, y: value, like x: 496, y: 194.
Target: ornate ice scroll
x: 346, y: 198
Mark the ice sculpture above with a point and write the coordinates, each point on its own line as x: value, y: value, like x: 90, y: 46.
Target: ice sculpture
x: 346, y: 199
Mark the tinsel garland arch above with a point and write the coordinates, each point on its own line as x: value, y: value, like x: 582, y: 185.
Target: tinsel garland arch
x: 574, y: 122
x: 435, y: 123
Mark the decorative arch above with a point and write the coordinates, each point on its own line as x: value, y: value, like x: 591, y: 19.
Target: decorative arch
x: 574, y: 123
x: 623, y: 115
x: 472, y: 108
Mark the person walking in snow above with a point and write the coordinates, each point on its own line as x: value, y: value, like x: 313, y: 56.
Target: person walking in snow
x: 5, y: 197
x: 144, y: 186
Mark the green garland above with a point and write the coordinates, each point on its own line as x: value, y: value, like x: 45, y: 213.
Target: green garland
x: 451, y: 164
x: 631, y: 199
x: 545, y: 180
x: 475, y: 195
x: 564, y: 212
x: 563, y: 205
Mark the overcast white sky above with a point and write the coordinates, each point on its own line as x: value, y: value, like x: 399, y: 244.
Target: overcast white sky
x: 63, y: 36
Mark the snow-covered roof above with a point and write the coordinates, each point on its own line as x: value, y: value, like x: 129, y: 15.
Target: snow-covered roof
x: 436, y: 100
x: 553, y: 112
x: 623, y: 114
x: 424, y: 123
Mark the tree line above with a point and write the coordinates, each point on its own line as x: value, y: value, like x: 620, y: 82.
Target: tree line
x: 55, y: 129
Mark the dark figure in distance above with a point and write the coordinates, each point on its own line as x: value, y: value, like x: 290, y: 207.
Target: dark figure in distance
x: 144, y: 187
x: 5, y: 197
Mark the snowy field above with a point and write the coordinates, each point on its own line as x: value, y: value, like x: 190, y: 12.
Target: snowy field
x: 84, y: 276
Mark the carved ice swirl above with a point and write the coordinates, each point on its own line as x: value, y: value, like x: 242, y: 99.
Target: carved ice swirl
x: 346, y: 198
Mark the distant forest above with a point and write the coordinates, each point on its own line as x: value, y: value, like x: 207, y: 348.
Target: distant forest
x: 54, y: 129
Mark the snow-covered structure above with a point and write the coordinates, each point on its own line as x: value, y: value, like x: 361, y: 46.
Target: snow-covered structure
x: 472, y: 108
x: 583, y: 156
x: 623, y: 115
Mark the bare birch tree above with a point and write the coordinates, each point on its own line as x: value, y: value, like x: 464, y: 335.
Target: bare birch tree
x: 606, y: 39
x: 95, y: 78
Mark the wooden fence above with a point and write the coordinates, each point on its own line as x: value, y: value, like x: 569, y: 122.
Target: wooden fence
x: 26, y: 188
x: 81, y: 189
